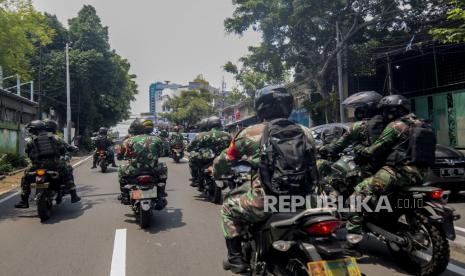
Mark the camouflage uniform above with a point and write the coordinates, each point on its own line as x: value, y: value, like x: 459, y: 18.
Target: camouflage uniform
x: 142, y: 151
x: 388, y: 177
x: 103, y: 142
x: 244, y: 205
x: 176, y: 139
x: 60, y: 163
x: 203, y: 146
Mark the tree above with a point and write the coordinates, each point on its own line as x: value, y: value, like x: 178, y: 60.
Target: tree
x: 248, y: 79
x: 21, y: 28
x: 189, y: 108
x: 102, y: 86
x: 456, y: 32
x: 302, y: 33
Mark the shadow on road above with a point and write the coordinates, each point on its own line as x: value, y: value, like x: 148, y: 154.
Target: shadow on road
x: 168, y: 218
x: 457, y: 198
x: 64, y: 211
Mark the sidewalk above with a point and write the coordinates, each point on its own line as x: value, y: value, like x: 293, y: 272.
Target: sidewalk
x: 13, y: 181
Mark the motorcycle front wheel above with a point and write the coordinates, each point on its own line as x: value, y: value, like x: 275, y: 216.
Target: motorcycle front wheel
x: 428, y: 251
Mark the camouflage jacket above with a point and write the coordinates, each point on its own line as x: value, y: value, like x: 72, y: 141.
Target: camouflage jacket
x: 357, y: 134
x: 102, y: 142
x: 176, y: 139
x: 142, y: 151
x: 245, y: 146
x: 62, y: 147
x: 215, y: 139
x: 163, y: 134
x: 395, y: 134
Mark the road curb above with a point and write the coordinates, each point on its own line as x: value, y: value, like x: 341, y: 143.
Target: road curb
x: 458, y: 244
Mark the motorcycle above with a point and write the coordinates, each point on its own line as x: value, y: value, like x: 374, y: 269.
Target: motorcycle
x: 165, y: 147
x: 49, y: 186
x: 206, y: 182
x: 300, y: 243
x: 177, y: 152
x: 416, y: 232
x: 145, y: 195
x: 102, y: 160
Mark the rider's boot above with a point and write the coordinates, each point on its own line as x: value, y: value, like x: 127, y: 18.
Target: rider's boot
x: 94, y: 165
x: 113, y: 164
x: 74, y: 197
x: 24, y: 203
x: 353, y: 249
x: 234, y: 261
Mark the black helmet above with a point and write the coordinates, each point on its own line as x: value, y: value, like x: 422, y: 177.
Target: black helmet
x: 137, y: 127
x: 213, y: 122
x: 272, y: 102
x: 103, y: 131
x: 35, y: 127
x: 148, y: 126
x: 203, y: 124
x: 51, y: 125
x: 365, y: 104
x: 394, y: 106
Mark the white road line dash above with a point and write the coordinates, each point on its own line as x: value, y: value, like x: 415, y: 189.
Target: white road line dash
x: 460, y: 229
x: 8, y: 197
x: 456, y: 269
x: 118, y: 260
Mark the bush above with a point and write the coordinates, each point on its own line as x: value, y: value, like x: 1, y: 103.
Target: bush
x: 5, y: 166
x: 16, y: 160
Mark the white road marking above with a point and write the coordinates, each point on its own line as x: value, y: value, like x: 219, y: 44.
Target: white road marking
x: 18, y: 192
x: 118, y: 260
x: 456, y: 269
x: 460, y: 229
x: 8, y: 197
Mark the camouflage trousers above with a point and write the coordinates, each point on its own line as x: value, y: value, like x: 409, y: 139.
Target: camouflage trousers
x: 386, y: 180
x: 243, y: 206
x: 63, y: 167
x: 198, y: 160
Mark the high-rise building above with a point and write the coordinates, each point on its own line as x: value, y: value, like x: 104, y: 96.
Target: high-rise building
x: 155, y: 94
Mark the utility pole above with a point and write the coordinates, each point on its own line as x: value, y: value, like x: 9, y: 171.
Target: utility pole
x: 389, y: 71
x: 68, y: 97
x: 339, y: 73
x: 39, y: 99
x: 1, y: 76
x: 18, y: 85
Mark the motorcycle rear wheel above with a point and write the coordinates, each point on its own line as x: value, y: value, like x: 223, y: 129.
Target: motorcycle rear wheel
x: 44, y: 208
x: 438, y: 259
x: 145, y: 218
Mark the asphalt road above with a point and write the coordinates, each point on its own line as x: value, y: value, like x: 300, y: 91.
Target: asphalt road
x: 99, y: 236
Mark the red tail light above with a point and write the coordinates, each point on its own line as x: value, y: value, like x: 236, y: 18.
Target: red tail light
x: 437, y: 194
x: 323, y: 228
x: 145, y: 179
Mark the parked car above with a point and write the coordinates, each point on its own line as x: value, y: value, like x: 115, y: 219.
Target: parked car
x: 448, y: 172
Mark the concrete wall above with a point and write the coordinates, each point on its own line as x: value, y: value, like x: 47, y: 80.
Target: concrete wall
x: 10, y: 135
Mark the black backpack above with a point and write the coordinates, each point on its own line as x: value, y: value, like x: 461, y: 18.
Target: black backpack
x: 44, y: 145
x: 287, y: 164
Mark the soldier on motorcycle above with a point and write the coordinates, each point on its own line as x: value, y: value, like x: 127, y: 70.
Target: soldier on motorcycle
x: 246, y: 203
x: 142, y: 150
x: 364, y: 131
x: 402, y: 166
x: 211, y: 141
x: 105, y: 143
x: 48, y: 153
x: 176, y: 137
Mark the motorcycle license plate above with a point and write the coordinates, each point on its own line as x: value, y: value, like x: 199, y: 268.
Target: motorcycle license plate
x: 139, y: 194
x: 341, y: 267
x: 452, y: 172
x: 40, y: 186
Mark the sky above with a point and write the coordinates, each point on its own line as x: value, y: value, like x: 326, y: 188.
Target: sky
x: 165, y: 40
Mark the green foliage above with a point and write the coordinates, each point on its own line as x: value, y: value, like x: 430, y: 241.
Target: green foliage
x: 248, y: 79
x: 299, y: 36
x: 16, y: 160
x: 102, y: 86
x: 236, y: 96
x: 456, y: 33
x: 21, y: 29
x: 189, y: 108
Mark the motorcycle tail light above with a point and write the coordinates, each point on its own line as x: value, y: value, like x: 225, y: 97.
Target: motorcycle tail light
x: 323, y: 228
x: 145, y: 179
x: 41, y: 172
x: 436, y: 194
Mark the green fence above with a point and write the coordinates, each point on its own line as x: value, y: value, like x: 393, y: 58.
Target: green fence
x: 447, y: 113
x: 10, y: 135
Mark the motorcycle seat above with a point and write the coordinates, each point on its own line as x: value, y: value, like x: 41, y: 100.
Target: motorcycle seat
x: 289, y: 219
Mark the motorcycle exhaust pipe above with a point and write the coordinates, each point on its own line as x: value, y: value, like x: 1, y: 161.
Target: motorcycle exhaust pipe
x: 386, y: 234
